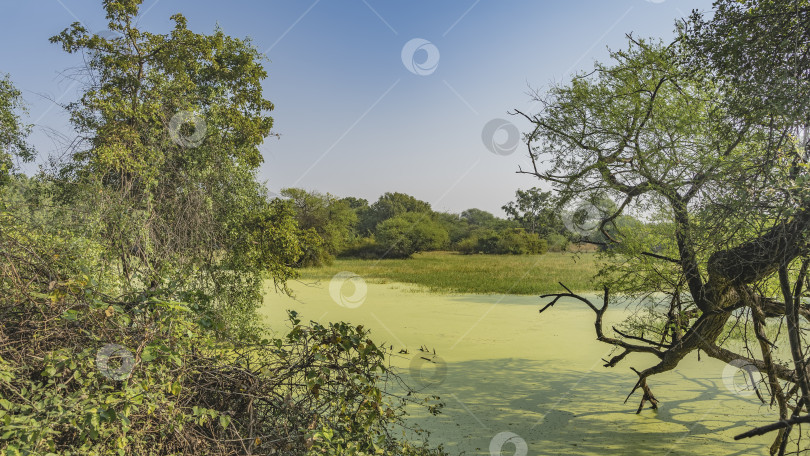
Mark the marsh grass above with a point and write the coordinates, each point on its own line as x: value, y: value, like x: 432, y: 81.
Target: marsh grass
x: 456, y: 273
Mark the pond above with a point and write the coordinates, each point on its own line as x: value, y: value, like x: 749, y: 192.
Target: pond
x: 507, y: 373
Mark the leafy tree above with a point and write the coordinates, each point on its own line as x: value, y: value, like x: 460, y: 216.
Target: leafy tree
x: 479, y: 218
x: 457, y: 227
x: 390, y: 205
x: 727, y: 192
x: 12, y: 132
x: 171, y: 126
x: 331, y: 218
x: 536, y: 211
x: 361, y: 209
x: 757, y: 51
x: 403, y: 235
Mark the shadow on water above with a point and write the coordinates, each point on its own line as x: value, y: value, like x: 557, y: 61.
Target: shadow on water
x: 561, y: 411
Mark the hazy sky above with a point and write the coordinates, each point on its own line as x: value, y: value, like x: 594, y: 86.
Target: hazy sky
x: 371, y: 96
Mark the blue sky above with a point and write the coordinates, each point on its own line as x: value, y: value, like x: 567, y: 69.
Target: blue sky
x: 353, y: 119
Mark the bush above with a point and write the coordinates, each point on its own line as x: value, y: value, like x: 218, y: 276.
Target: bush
x: 557, y: 243
x: 514, y: 241
x: 409, y: 233
x: 363, y: 248
x: 86, y: 370
x: 330, y: 220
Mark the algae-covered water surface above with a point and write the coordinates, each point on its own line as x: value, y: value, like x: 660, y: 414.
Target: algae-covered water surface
x: 508, y: 374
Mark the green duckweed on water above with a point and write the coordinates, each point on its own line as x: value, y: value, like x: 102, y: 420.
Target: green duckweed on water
x: 502, y: 367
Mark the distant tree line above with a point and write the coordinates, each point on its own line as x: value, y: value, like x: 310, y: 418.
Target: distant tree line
x: 398, y: 225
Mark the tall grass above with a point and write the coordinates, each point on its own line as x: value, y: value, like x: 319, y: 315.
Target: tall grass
x: 453, y: 272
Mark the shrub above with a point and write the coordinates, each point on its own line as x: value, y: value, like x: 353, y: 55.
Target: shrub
x: 557, y: 243
x: 409, y: 233
x: 365, y: 248
x: 168, y: 385
x: 514, y: 241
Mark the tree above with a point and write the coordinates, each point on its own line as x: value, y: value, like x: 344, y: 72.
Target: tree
x: 728, y: 193
x: 408, y: 233
x: 170, y: 127
x: 390, y: 205
x: 361, y: 210
x: 758, y: 52
x: 12, y: 132
x: 535, y: 210
x: 479, y: 218
x: 331, y: 218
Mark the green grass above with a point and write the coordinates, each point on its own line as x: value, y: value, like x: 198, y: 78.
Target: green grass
x: 453, y: 272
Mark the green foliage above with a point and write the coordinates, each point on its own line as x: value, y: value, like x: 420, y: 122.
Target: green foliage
x: 557, y: 243
x: 390, y: 205
x: 479, y: 218
x: 178, y: 204
x: 176, y: 387
x: 515, y: 241
x: 681, y: 124
x: 754, y: 49
x: 365, y: 248
x: 457, y: 227
x: 12, y: 131
x: 411, y: 232
x: 333, y: 220
x: 361, y: 210
x: 536, y: 211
